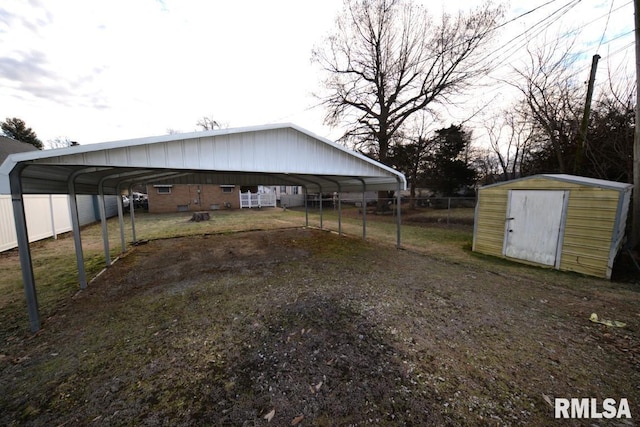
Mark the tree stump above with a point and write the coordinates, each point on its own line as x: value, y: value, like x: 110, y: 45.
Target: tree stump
x: 200, y: 216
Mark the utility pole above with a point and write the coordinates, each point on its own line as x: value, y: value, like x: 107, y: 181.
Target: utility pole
x: 582, y: 135
x: 635, y: 214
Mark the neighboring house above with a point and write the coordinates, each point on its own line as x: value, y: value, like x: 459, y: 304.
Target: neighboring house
x: 47, y: 214
x: 193, y: 197
x: 11, y: 146
x: 165, y: 198
x: 286, y: 195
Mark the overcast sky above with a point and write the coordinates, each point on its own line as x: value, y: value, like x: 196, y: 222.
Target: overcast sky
x: 96, y: 71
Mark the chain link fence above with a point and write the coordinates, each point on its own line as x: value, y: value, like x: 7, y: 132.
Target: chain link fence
x: 444, y: 210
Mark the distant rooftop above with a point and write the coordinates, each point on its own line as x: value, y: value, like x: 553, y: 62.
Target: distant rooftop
x: 11, y: 146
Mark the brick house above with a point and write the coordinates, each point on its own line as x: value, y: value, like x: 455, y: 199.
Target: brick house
x: 193, y: 197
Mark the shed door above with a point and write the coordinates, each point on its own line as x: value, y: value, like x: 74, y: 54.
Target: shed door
x: 533, y: 225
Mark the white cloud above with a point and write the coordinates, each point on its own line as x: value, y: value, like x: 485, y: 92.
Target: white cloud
x: 108, y: 70
x: 98, y: 71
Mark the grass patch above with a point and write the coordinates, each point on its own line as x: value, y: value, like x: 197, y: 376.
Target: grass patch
x: 221, y: 327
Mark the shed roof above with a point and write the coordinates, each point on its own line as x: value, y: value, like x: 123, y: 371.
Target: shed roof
x: 10, y: 146
x: 278, y: 154
x: 573, y: 179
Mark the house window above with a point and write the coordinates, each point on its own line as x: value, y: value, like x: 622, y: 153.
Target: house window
x: 163, y: 189
x: 227, y: 188
x: 283, y: 189
x: 294, y: 190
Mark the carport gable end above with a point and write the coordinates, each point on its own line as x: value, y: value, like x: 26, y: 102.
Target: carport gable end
x: 260, y: 155
x: 565, y: 222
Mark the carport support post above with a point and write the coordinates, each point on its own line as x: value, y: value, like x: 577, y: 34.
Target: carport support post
x: 339, y: 213
x: 398, y: 211
x: 75, y: 224
x: 320, y: 198
x: 103, y: 222
x: 306, y: 207
x: 121, y: 220
x: 364, y: 211
x: 24, y: 252
x: 54, y: 232
x: 133, y: 217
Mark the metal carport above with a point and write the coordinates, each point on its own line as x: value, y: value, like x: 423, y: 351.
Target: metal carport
x: 278, y: 154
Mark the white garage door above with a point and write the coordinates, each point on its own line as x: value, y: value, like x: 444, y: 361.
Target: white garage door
x: 533, y: 226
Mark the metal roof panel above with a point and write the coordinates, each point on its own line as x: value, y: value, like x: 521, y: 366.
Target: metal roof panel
x: 269, y: 154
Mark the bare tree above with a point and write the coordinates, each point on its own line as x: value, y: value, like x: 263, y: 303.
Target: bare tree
x: 209, y: 123
x: 552, y: 97
x: 609, y: 155
x: 611, y: 128
x: 387, y: 60
x: 510, y: 136
x: 486, y: 165
x: 60, y: 142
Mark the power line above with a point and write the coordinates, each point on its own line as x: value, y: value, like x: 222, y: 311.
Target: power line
x: 605, y: 26
x: 523, y: 14
x: 566, y: 7
x: 512, y: 47
x: 585, y: 67
x: 539, y: 27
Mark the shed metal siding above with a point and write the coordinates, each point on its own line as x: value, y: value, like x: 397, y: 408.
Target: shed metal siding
x: 591, y: 227
x: 591, y: 217
x: 489, y: 224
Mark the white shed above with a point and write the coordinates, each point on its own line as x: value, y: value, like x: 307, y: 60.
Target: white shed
x: 566, y: 222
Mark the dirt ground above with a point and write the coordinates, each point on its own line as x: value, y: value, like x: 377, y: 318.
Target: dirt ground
x: 304, y: 327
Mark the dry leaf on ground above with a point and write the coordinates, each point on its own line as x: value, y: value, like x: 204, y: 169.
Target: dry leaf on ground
x: 270, y: 415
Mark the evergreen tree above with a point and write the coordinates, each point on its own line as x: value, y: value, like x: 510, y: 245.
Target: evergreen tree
x: 448, y: 171
x: 15, y: 128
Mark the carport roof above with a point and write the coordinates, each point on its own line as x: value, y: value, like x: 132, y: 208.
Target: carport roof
x: 572, y: 179
x: 277, y: 154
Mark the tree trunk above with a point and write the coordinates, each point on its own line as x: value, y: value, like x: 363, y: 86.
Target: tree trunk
x: 412, y: 196
x: 383, y: 204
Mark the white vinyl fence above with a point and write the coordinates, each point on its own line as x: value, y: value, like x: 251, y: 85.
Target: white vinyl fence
x: 48, y: 215
x: 257, y: 200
